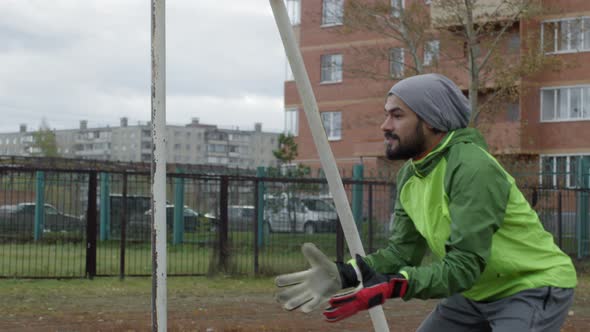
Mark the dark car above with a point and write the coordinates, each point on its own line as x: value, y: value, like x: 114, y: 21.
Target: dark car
x: 193, y: 220
x: 135, y: 208
x: 240, y: 217
x: 21, y: 218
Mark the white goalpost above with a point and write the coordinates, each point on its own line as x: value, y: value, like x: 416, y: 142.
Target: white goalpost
x: 328, y: 162
x: 158, y: 165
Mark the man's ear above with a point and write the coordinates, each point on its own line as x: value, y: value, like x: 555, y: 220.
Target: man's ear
x: 432, y: 129
x: 429, y: 127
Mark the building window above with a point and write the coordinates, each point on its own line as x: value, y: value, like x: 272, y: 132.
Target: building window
x: 291, y: 121
x: 219, y: 148
x: 514, y: 43
x: 294, y: 10
x: 397, y: 7
x: 513, y: 112
x: 217, y: 160
x: 566, y: 35
x: 332, y: 12
x: 560, y: 171
x: 332, y: 124
x: 431, y: 51
x: 331, y: 68
x: 396, y: 62
x: 565, y: 103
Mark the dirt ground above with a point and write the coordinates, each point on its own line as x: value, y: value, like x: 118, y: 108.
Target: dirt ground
x: 215, y: 313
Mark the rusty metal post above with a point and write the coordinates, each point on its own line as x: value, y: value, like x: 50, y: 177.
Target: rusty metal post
x: 223, y: 224
x: 339, y: 242
x: 256, y: 225
x: 91, y: 233
x: 158, y: 165
x: 559, y: 220
x: 371, y: 221
x: 123, y: 228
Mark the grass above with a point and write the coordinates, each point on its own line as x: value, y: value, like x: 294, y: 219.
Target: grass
x: 55, y: 257
x: 41, y: 297
x: 59, y: 301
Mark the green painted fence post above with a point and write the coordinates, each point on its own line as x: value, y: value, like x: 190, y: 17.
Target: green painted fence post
x: 262, y: 227
x: 357, y: 196
x: 39, y: 205
x: 105, y: 207
x: 178, y: 227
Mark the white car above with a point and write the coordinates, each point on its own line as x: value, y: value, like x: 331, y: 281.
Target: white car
x: 302, y: 215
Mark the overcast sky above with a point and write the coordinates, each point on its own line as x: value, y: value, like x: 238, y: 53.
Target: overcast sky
x: 72, y: 60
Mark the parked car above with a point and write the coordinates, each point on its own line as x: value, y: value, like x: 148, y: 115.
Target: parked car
x: 307, y: 214
x: 193, y: 220
x: 21, y: 218
x: 240, y: 217
x: 136, y: 206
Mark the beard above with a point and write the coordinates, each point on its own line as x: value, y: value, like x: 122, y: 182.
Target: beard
x: 410, y: 147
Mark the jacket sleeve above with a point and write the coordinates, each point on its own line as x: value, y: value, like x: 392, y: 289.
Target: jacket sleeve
x: 478, y: 191
x: 406, y: 246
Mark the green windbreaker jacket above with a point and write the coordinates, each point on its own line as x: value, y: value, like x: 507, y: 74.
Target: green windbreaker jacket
x: 460, y: 203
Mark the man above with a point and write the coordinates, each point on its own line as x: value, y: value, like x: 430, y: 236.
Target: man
x: 498, y: 269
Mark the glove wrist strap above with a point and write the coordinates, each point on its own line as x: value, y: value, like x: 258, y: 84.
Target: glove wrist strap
x: 398, y: 284
x: 349, y: 274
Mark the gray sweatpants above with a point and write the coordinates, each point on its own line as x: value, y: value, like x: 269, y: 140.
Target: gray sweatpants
x: 537, y: 309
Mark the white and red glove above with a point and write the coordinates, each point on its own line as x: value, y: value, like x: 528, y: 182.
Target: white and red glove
x: 313, y: 288
x: 376, y: 289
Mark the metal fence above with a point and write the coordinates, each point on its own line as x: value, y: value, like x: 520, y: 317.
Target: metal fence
x: 63, y: 223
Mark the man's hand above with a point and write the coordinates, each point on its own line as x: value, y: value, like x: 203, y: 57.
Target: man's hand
x: 311, y: 288
x: 376, y: 289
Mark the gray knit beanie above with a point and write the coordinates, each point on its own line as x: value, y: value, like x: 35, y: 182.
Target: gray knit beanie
x: 436, y: 99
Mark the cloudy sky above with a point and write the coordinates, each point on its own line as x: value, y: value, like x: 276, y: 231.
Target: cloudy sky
x: 69, y: 60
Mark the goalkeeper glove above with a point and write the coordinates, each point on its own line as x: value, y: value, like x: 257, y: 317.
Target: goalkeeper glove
x: 376, y: 289
x: 311, y: 288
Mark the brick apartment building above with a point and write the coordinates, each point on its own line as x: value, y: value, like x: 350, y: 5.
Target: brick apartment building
x: 547, y: 126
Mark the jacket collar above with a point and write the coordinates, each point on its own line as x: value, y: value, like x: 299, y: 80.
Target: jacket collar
x: 425, y: 165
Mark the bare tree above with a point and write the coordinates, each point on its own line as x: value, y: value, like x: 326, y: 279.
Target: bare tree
x: 483, y: 26
x: 480, y: 37
x: 392, y: 24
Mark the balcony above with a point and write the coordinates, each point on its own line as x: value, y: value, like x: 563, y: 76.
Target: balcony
x: 444, y: 15
x: 81, y: 139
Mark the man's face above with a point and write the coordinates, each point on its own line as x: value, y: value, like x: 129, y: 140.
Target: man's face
x: 403, y: 131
